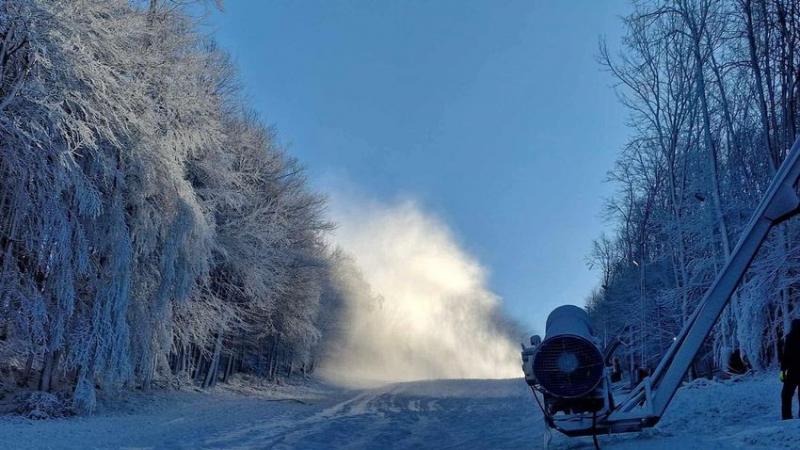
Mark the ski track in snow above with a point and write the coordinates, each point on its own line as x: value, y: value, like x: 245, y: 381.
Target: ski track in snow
x: 446, y: 414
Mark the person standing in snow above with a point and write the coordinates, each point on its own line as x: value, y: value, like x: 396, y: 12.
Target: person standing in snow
x: 790, y: 369
x: 616, y: 370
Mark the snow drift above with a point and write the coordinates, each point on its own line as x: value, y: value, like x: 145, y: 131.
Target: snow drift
x: 417, y: 306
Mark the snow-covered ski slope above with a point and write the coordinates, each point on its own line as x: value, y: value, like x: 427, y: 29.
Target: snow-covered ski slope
x: 457, y: 414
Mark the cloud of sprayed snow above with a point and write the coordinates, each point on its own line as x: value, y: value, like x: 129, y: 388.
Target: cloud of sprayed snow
x: 416, y: 305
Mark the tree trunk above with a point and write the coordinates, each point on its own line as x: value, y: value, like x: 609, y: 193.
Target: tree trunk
x: 759, y: 84
x: 26, y: 375
x: 228, y: 369
x: 198, y: 374
x: 273, y: 359
x: 50, y: 364
x: 147, y: 376
x: 211, y: 375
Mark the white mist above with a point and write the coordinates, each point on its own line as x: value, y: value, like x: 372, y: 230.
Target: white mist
x: 426, y: 312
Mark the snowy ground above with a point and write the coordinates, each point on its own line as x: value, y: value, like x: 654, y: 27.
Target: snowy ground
x: 458, y: 414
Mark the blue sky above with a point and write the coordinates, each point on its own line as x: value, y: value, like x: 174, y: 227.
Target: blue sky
x: 494, y: 115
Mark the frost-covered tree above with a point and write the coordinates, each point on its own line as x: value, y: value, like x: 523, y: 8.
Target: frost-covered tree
x: 149, y: 226
x: 710, y: 86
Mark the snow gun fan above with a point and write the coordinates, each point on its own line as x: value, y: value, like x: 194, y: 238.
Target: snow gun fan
x: 568, y: 364
x: 567, y: 368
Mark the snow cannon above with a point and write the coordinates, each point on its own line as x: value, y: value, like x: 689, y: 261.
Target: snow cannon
x: 567, y: 367
x: 567, y: 364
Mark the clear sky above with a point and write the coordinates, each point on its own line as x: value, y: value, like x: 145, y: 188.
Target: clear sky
x: 494, y: 115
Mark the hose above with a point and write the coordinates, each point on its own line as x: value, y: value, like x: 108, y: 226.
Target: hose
x: 594, y: 431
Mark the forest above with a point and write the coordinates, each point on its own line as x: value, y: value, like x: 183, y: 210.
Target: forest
x: 712, y: 89
x: 153, y: 231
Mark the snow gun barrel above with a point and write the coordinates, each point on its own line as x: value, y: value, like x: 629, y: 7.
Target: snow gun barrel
x: 567, y: 364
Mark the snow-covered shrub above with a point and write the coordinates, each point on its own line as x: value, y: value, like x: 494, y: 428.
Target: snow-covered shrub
x: 44, y: 405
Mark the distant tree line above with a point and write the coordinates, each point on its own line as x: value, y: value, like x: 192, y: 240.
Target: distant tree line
x: 151, y: 228
x: 712, y: 90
